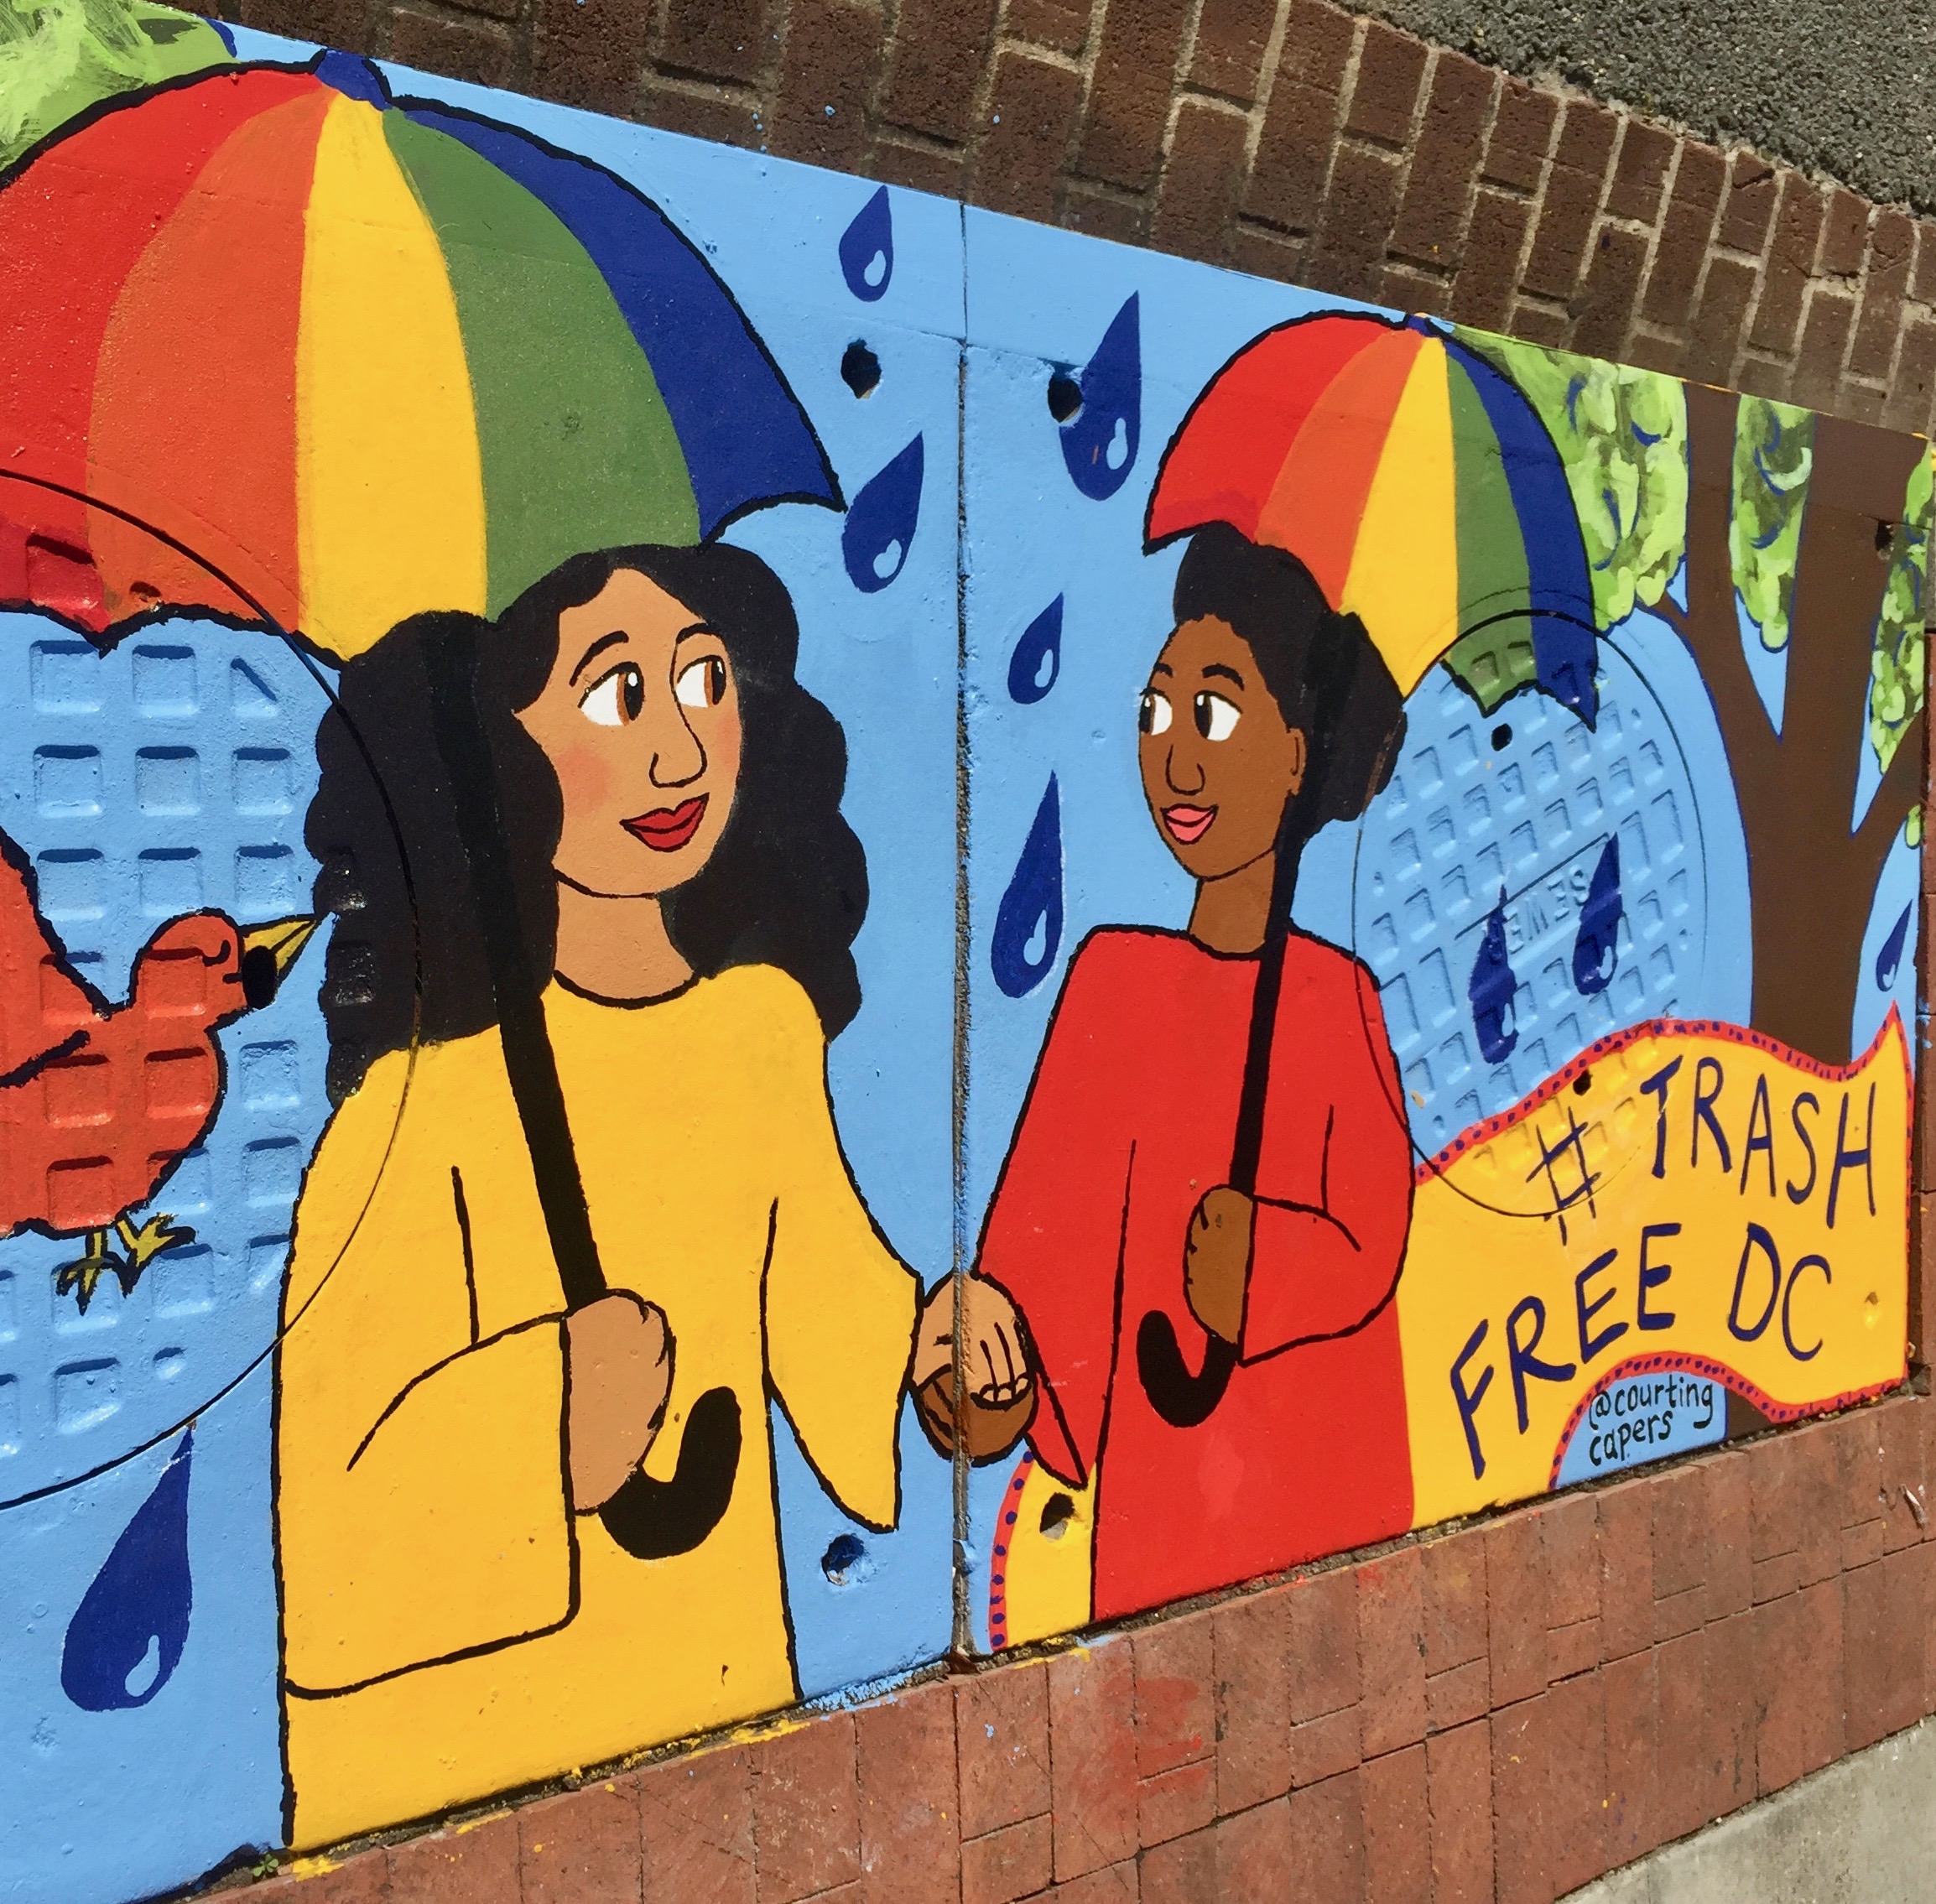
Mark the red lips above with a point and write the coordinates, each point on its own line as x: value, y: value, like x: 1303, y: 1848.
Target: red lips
x: 665, y: 830
x: 1187, y: 825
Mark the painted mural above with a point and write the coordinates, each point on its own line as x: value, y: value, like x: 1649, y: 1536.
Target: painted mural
x: 729, y: 898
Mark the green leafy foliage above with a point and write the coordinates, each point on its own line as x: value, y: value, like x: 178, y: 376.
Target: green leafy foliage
x: 1897, y: 665
x: 58, y: 57
x: 1774, y: 451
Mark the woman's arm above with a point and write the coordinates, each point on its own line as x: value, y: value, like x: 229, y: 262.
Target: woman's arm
x: 840, y: 1305
x: 1052, y: 1237
x: 1325, y: 1271
x: 422, y: 1502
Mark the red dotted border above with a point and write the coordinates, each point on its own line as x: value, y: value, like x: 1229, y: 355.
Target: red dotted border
x: 1483, y: 1132
x: 998, y: 1561
x: 1670, y: 1361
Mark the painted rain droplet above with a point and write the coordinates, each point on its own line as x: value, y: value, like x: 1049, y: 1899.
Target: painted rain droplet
x: 881, y: 519
x: 1596, y: 946
x: 868, y: 249
x: 1099, y: 442
x: 1490, y: 989
x: 125, y: 1639
x: 1890, y: 958
x: 1037, y: 661
x: 1028, y: 921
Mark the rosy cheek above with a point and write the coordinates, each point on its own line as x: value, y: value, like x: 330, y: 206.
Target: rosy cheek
x: 583, y: 778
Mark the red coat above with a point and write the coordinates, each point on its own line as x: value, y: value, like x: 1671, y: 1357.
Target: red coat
x: 1130, y: 1119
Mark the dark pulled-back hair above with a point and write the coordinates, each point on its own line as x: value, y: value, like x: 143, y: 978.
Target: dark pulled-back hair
x: 1321, y: 667
x: 786, y: 885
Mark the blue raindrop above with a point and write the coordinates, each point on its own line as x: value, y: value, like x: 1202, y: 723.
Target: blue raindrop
x: 1099, y: 442
x: 1490, y: 988
x: 881, y: 519
x: 1036, y: 665
x: 125, y: 1639
x: 1596, y: 946
x: 1028, y: 921
x: 1890, y: 956
x: 868, y: 249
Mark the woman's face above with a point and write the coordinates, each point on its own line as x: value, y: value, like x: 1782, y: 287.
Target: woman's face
x: 641, y: 721
x: 1218, y: 762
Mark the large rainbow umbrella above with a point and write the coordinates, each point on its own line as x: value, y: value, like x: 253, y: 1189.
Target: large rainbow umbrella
x: 360, y: 358
x: 1410, y: 477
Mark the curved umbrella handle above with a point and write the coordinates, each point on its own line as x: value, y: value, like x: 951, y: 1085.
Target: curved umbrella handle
x: 1183, y: 1399
x: 650, y: 1519
x: 654, y: 1520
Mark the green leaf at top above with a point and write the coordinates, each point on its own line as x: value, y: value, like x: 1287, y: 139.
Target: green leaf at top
x: 1774, y: 451
x: 1897, y: 664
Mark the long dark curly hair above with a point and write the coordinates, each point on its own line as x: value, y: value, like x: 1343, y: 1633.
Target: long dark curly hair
x: 787, y: 885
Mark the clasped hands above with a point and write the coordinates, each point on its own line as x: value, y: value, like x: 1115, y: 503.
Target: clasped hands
x: 1000, y: 1402
x: 619, y: 1364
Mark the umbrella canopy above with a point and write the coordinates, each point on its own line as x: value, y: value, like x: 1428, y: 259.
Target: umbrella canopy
x: 360, y: 358
x: 1410, y: 477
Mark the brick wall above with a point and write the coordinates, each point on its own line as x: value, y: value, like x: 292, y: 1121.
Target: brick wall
x: 1284, y: 136
x: 1501, y: 1711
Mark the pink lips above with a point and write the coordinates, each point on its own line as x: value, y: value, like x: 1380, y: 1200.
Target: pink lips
x: 665, y: 830
x: 1187, y: 825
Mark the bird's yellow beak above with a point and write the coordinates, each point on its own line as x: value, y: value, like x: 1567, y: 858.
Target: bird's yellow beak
x: 282, y: 939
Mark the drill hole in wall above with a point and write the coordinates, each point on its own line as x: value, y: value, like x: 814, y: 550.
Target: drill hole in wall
x: 844, y: 1560
x: 860, y: 369
x: 1064, y: 397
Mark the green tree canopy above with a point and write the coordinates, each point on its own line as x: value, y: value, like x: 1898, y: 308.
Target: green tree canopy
x: 1622, y: 435
x: 58, y: 57
x: 1774, y: 449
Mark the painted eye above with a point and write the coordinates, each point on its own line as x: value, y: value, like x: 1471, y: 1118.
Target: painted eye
x: 1217, y: 718
x: 614, y: 698
x: 701, y: 684
x: 1152, y: 712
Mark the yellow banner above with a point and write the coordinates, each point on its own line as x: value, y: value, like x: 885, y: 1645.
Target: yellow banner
x: 1686, y: 1208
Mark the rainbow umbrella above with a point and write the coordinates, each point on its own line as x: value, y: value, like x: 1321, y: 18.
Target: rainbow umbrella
x: 358, y: 358
x: 1410, y: 477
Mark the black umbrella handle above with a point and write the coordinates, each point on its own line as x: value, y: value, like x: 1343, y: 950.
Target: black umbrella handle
x: 648, y: 1518
x: 1183, y: 1399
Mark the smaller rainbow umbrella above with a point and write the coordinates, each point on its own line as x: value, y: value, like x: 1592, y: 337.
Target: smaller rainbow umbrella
x: 1410, y: 477
x: 360, y: 358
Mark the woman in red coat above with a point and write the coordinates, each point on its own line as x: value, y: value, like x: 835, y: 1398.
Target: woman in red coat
x: 1197, y: 1161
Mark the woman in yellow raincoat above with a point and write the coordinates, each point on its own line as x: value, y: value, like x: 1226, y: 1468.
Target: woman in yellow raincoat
x: 523, y: 1527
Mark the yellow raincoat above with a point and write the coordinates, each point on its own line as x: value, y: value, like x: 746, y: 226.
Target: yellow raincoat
x: 450, y: 1628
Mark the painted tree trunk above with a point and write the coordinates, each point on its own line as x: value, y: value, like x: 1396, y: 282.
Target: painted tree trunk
x: 1812, y: 865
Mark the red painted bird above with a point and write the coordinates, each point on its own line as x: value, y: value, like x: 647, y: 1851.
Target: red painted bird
x: 99, y: 1102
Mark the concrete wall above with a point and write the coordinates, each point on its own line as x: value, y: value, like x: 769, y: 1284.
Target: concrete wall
x: 1835, y: 89
x: 1861, y: 1831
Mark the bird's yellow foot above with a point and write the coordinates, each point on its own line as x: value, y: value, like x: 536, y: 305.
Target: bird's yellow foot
x: 81, y: 1274
x: 143, y: 1246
